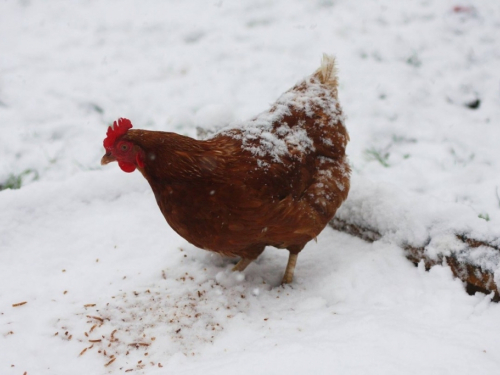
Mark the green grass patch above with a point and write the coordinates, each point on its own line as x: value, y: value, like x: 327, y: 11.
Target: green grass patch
x: 16, y: 181
x: 382, y: 156
x: 484, y: 217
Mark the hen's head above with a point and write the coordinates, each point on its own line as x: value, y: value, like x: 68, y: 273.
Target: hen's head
x: 128, y: 155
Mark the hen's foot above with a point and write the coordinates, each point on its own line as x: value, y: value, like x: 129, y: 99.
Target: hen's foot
x: 241, y: 265
x: 290, y: 268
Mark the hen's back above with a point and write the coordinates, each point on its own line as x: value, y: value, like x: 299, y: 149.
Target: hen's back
x: 301, y: 140
x: 307, y: 119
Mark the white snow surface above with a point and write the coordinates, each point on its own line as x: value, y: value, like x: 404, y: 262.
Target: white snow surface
x: 79, y: 241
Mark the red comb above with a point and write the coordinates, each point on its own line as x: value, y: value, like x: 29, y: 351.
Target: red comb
x: 119, y: 127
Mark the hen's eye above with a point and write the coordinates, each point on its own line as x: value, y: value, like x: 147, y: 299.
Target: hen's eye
x: 124, y: 147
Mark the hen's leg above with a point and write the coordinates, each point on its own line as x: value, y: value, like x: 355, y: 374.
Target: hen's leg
x: 242, y: 264
x: 248, y: 255
x: 292, y: 261
x: 290, y: 268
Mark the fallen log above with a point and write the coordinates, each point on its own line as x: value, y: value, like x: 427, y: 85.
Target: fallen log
x: 475, y: 278
x: 428, y: 231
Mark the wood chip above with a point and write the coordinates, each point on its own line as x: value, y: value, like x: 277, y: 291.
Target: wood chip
x: 92, y: 328
x: 139, y: 344
x: 95, y: 317
x: 83, y: 351
x: 99, y: 340
x: 89, y: 305
x: 159, y: 364
x: 19, y: 304
x: 110, y: 362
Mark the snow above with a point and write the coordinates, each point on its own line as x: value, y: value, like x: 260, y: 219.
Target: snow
x: 82, y: 240
x: 277, y: 142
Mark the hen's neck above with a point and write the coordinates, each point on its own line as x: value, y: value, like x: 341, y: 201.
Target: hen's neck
x: 169, y: 157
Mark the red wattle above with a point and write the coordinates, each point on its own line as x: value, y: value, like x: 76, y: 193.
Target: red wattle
x: 139, y: 160
x: 126, y: 167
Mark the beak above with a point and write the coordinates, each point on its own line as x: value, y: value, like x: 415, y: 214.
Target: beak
x: 107, y: 158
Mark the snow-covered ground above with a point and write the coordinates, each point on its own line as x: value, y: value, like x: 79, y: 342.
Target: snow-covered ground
x: 80, y: 243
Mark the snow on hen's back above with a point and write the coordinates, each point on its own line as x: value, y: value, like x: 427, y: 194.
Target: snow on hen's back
x: 282, y: 130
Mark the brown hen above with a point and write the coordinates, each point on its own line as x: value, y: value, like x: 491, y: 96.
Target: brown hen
x: 275, y: 180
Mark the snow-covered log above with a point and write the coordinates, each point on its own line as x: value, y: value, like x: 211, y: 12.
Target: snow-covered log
x: 428, y: 230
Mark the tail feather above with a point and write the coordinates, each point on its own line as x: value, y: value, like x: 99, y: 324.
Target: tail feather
x: 327, y: 72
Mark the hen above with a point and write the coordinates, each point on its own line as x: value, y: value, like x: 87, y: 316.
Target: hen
x: 275, y: 180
